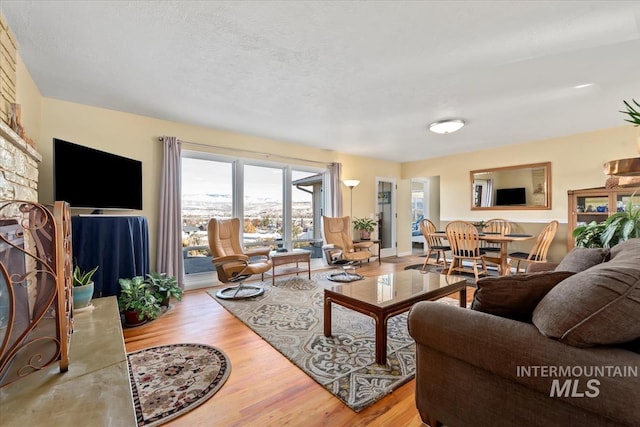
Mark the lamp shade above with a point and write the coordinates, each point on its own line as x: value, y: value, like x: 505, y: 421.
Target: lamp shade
x: 351, y: 182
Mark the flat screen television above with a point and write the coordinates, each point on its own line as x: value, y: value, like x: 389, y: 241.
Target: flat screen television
x: 89, y: 178
x: 510, y: 196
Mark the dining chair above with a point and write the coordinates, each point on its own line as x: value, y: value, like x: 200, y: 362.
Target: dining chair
x: 464, y: 239
x: 434, y: 244
x: 233, y: 264
x: 538, y: 252
x: 494, y: 226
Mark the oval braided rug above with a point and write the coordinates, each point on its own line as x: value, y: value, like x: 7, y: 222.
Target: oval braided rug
x: 170, y: 380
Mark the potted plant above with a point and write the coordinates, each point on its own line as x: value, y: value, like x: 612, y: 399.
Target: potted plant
x: 82, y: 287
x: 632, y: 112
x: 617, y: 228
x: 479, y: 225
x: 137, y: 301
x: 164, y: 287
x: 365, y: 226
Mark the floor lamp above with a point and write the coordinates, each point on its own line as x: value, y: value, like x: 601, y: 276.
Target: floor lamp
x: 351, y: 183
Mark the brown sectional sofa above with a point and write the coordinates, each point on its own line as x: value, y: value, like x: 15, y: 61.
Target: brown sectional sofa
x: 556, y: 348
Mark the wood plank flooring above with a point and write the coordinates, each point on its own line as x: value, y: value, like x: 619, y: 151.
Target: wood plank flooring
x: 264, y: 388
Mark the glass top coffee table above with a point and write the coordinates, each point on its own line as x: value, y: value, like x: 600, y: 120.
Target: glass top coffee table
x: 387, y: 295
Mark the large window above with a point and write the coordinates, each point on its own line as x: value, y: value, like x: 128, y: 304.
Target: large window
x: 280, y: 206
x: 263, y: 206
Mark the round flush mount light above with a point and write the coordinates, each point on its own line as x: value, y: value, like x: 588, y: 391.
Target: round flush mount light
x: 446, y: 126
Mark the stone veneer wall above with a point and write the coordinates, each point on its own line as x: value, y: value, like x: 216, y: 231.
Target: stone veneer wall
x: 18, y: 181
x: 18, y: 167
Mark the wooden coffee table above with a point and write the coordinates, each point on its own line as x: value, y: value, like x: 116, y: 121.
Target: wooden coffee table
x: 385, y: 296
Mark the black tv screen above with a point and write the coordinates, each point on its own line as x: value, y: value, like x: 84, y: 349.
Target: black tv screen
x: 510, y: 196
x: 89, y: 178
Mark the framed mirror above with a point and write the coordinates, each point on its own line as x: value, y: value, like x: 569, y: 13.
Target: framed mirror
x: 521, y: 187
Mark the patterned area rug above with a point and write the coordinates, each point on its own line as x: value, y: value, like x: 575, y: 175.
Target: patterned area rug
x: 170, y: 380
x: 289, y: 316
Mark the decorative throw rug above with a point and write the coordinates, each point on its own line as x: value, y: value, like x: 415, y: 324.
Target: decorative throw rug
x: 170, y: 380
x: 289, y: 316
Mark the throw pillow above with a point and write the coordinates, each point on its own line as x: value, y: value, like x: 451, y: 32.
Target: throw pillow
x: 599, y: 306
x: 515, y: 297
x: 580, y: 259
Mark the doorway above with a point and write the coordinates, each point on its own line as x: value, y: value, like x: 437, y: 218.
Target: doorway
x: 419, y: 201
x: 425, y: 203
x: 386, y: 214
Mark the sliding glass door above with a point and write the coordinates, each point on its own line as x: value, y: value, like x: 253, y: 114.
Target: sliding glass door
x: 280, y: 205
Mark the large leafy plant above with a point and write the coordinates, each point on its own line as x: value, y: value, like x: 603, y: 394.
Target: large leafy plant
x: 632, y: 112
x: 164, y: 286
x: 366, y: 224
x: 136, y: 295
x: 617, y: 228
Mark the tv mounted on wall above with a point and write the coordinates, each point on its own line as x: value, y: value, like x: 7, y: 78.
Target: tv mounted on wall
x: 510, y: 196
x: 89, y: 178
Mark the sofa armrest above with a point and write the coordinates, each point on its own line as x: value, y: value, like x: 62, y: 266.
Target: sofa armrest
x: 514, y: 350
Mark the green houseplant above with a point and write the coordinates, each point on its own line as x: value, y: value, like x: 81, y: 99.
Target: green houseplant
x: 164, y: 287
x: 617, y: 228
x: 365, y: 226
x: 83, y: 287
x: 137, y: 301
x: 632, y: 112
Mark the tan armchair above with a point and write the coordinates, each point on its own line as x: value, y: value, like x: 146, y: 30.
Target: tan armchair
x: 233, y: 264
x: 339, y: 245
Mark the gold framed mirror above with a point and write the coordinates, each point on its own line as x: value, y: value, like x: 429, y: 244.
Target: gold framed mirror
x: 521, y: 187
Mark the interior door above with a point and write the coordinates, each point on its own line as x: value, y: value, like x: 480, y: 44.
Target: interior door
x: 386, y: 214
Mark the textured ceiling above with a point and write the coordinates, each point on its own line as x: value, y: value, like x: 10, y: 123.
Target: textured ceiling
x: 353, y: 76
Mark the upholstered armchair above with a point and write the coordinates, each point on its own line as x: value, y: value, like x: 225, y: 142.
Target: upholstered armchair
x: 233, y: 264
x: 338, y: 242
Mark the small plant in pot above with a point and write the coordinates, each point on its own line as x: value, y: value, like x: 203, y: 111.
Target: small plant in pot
x: 164, y: 287
x: 365, y: 226
x: 82, y: 287
x: 137, y: 301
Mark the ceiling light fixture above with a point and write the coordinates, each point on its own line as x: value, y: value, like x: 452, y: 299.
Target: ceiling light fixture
x: 446, y: 126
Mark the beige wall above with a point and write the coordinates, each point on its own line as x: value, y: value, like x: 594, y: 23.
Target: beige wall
x: 28, y: 96
x: 576, y: 162
x: 136, y: 137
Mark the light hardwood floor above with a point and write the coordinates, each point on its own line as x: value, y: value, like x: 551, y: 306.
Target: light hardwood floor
x: 264, y: 388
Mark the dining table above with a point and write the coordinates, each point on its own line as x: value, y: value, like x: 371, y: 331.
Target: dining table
x: 502, y: 239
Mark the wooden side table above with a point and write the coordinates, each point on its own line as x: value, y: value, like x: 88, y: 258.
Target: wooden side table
x: 296, y: 256
x: 375, y: 242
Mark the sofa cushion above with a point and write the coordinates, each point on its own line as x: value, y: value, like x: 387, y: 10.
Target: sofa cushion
x: 515, y: 297
x: 598, y: 306
x: 580, y: 259
x: 629, y: 249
